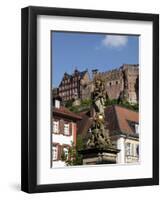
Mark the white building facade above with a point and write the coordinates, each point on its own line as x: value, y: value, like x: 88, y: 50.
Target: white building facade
x: 123, y: 125
x: 129, y: 149
x: 64, y: 131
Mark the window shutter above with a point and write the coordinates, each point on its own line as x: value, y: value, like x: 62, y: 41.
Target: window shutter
x: 74, y: 132
x: 59, y: 152
x: 133, y: 150
x: 61, y: 126
x: 70, y: 128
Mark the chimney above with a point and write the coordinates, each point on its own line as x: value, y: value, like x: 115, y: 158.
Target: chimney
x: 94, y: 72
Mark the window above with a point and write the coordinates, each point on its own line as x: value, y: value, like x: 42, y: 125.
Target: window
x: 57, y: 103
x: 55, y: 126
x: 65, y: 151
x: 66, y: 129
x: 131, y: 149
x: 137, y: 128
x: 137, y: 150
x: 128, y: 149
x: 89, y: 130
x: 55, y: 152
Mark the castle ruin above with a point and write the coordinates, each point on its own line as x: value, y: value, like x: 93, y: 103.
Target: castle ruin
x: 121, y: 83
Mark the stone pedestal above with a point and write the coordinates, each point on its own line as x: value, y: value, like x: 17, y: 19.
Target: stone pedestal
x: 94, y: 156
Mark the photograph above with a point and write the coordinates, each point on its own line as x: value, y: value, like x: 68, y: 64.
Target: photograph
x: 90, y: 99
x: 94, y: 99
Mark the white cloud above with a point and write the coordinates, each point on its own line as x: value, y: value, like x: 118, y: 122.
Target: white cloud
x: 115, y: 41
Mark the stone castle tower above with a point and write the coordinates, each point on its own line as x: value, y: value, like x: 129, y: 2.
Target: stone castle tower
x: 121, y: 83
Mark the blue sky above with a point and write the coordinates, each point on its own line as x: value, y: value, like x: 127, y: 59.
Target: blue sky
x: 71, y: 50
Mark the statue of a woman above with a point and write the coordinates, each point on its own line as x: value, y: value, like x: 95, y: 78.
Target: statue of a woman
x: 99, y: 96
x: 98, y: 136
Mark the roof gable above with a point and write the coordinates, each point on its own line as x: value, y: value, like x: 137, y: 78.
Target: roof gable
x: 66, y: 113
x: 124, y: 117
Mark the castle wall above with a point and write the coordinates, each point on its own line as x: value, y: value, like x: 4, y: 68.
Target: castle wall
x: 114, y: 83
x: 122, y: 81
x: 119, y: 83
x: 132, y: 76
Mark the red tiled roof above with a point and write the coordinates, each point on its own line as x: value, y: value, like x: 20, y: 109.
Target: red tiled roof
x: 66, y: 112
x: 119, y: 117
x: 84, y: 125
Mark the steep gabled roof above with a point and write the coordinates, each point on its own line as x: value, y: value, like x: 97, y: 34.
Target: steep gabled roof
x: 120, y: 119
x: 70, y: 76
x: 84, y: 124
x: 65, y: 112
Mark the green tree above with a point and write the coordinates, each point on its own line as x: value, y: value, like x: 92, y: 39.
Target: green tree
x: 125, y: 104
x: 74, y: 157
x: 69, y: 103
x: 84, y: 106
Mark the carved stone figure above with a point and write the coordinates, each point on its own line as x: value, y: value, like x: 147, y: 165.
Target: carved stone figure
x: 98, y: 96
x: 99, y: 136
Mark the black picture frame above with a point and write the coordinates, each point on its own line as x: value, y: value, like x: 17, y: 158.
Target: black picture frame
x: 29, y: 99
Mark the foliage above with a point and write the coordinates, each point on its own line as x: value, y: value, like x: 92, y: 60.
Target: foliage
x: 74, y: 158
x: 63, y: 156
x: 128, y: 105
x: 74, y: 109
x: 84, y: 105
x: 125, y: 104
x: 110, y: 102
x: 86, y: 102
x: 69, y: 103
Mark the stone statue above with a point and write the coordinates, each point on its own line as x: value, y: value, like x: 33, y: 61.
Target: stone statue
x: 99, y: 136
x: 99, y: 96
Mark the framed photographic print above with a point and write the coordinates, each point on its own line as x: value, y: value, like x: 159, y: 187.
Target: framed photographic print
x: 90, y: 99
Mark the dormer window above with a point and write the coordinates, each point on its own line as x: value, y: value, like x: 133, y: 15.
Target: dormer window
x: 137, y: 128
x: 134, y: 126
